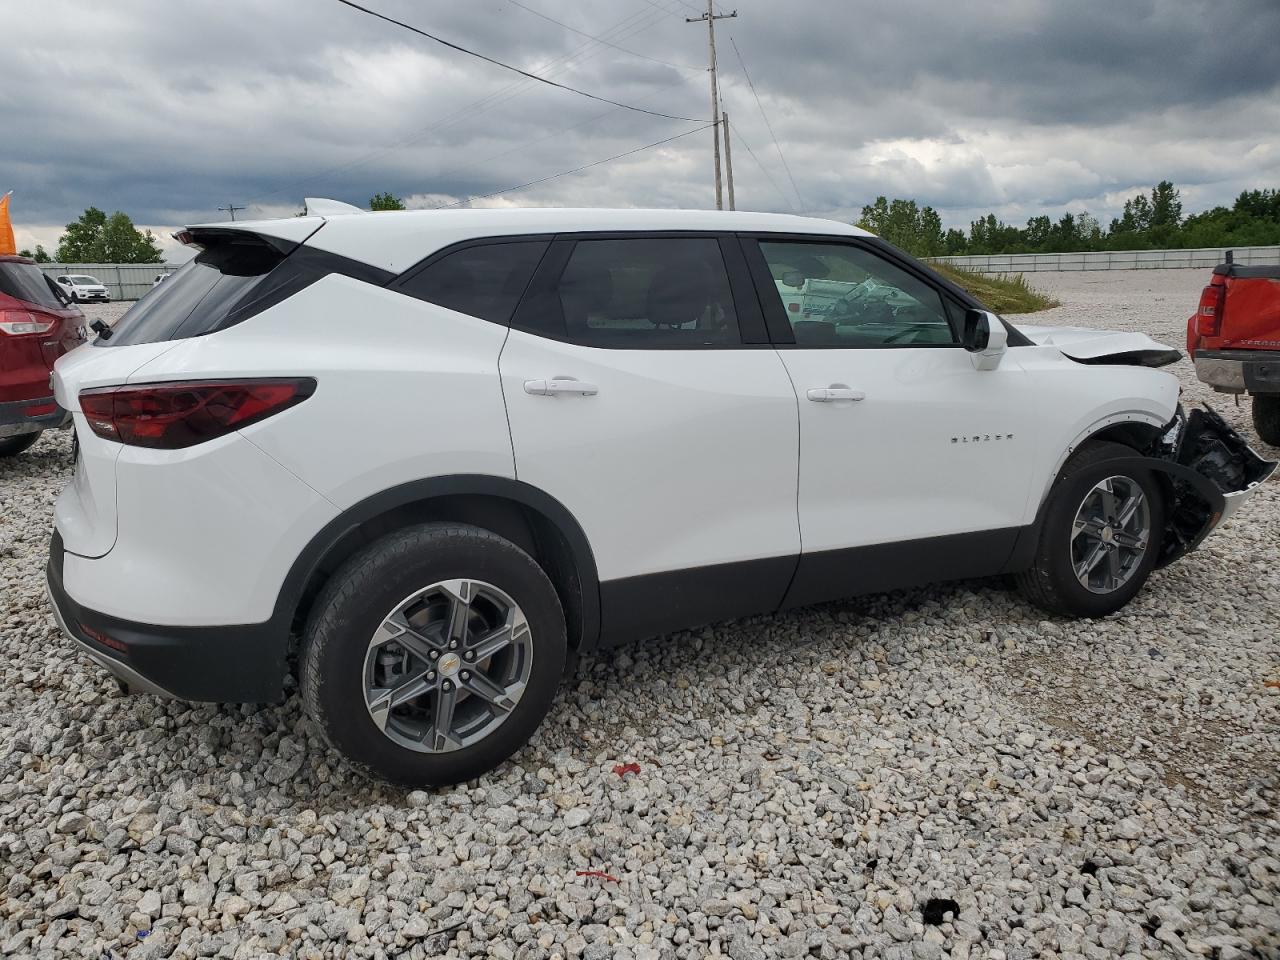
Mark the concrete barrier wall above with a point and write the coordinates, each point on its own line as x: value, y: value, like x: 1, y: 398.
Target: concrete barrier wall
x: 1203, y: 257
x: 126, y: 281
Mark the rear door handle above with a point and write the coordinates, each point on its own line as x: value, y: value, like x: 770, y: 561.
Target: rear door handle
x: 837, y: 391
x: 559, y: 385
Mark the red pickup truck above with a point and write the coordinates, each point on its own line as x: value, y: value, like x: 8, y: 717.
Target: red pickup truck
x: 1234, y: 339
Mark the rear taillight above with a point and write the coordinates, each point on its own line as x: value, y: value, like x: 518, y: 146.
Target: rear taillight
x: 1213, y: 302
x: 18, y: 323
x: 169, y: 416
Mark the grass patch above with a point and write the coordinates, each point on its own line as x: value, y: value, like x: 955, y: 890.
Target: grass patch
x: 1003, y: 293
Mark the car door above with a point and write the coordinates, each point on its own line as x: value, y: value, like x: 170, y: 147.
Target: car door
x: 646, y: 399
x: 914, y: 466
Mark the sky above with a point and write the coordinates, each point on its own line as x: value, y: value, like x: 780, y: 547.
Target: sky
x: 168, y: 111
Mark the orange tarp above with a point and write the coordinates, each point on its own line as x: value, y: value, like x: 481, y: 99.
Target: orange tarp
x: 6, y: 227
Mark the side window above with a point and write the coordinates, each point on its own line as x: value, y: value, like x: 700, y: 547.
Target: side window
x: 645, y: 293
x: 838, y: 295
x: 484, y: 281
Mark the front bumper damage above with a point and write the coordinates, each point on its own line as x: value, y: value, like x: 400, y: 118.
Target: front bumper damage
x: 1209, y: 472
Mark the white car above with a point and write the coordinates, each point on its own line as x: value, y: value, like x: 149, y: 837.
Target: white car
x: 80, y: 288
x: 438, y: 454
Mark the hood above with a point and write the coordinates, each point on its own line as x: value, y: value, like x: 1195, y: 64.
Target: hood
x: 1103, y: 346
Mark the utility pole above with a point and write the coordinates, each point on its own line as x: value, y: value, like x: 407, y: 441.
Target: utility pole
x: 231, y: 208
x: 711, y: 17
x: 728, y: 159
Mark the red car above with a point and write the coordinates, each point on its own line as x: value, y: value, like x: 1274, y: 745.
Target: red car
x: 37, y: 326
x: 1234, y: 339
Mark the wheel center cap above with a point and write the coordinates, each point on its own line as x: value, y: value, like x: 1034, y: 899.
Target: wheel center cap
x: 449, y: 664
x: 1108, y: 535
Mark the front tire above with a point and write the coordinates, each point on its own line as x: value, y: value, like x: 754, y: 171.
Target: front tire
x: 1266, y: 417
x: 1100, y: 537
x: 433, y: 655
x: 12, y: 446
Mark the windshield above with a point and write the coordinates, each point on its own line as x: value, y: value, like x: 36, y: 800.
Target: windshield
x: 82, y: 281
x: 25, y: 281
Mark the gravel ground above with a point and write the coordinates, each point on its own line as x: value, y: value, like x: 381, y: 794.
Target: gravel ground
x: 938, y: 772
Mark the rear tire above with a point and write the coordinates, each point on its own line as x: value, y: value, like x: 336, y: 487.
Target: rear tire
x: 1091, y: 559
x: 1266, y: 417
x: 405, y: 669
x: 12, y: 446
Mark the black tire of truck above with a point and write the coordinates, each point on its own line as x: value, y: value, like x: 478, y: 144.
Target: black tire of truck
x: 1266, y: 417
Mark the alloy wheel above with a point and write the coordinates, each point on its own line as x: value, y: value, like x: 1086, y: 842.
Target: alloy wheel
x: 1110, y: 534
x: 447, y: 666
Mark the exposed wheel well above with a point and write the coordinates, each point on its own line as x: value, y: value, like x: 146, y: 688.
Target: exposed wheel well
x: 526, y: 527
x: 1139, y: 436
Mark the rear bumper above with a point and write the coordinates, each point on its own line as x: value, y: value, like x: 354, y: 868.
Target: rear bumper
x: 233, y: 664
x: 31, y: 416
x: 1239, y: 371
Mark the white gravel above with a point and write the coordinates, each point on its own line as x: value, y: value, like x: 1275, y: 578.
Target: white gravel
x: 808, y: 782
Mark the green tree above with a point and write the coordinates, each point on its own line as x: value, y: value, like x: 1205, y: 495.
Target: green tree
x: 97, y: 238
x: 954, y: 243
x: 40, y: 256
x: 1037, y: 233
x: 1260, y: 204
x: 989, y: 235
x: 1166, y: 205
x: 905, y: 224
x: 386, y: 201
x: 1090, y: 231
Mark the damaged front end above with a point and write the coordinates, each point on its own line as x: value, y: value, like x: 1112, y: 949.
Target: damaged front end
x: 1210, y: 472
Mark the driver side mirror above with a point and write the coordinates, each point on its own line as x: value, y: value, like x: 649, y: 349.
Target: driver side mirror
x: 985, y: 337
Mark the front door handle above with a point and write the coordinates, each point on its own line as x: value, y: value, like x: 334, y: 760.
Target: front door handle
x: 837, y: 391
x: 559, y: 385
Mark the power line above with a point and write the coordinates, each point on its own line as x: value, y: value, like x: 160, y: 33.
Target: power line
x: 672, y: 10
x: 776, y: 144
x: 628, y: 26
x: 582, y: 33
x: 513, y: 69
x: 585, y: 166
x: 764, y: 170
x: 524, y: 145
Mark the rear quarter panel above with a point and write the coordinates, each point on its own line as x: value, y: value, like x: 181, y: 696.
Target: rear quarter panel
x: 405, y: 389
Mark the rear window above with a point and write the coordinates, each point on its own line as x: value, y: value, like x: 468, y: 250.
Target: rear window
x: 198, y: 297
x: 25, y: 281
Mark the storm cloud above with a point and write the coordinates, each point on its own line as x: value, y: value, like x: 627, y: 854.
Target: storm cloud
x: 170, y: 110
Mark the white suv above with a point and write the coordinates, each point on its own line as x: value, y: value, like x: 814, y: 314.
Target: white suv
x: 437, y: 454
x: 81, y: 288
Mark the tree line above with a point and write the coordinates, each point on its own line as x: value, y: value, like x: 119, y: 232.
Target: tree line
x: 1149, y: 222
x: 96, y: 237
